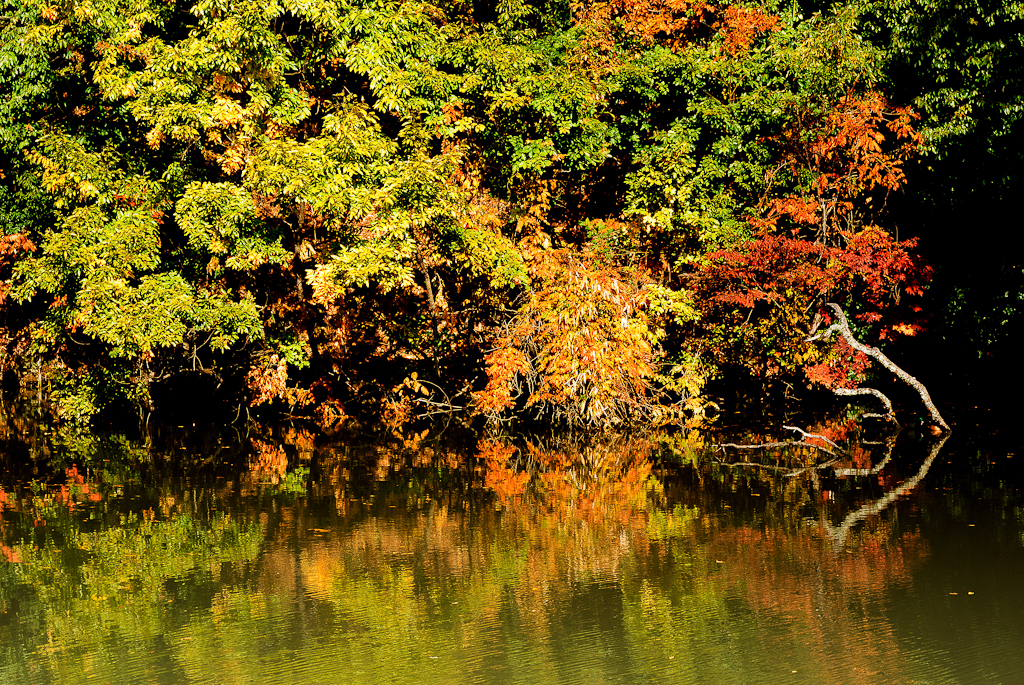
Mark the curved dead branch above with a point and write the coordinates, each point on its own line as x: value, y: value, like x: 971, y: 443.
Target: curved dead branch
x: 842, y: 326
x: 890, y: 443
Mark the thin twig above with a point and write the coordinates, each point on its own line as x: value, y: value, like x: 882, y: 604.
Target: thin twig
x: 784, y: 443
x: 805, y: 434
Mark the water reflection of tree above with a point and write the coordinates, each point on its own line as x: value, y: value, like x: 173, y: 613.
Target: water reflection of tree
x: 564, y: 517
x: 823, y: 575
x: 407, y: 548
x: 840, y: 533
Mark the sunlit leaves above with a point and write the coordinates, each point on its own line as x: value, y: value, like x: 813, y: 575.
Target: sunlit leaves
x: 772, y: 288
x: 584, y: 201
x: 222, y: 219
x: 582, y: 347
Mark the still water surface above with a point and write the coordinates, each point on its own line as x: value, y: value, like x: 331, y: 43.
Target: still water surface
x: 284, y: 557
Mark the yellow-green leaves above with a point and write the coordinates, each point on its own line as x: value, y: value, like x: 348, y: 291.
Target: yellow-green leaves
x: 221, y: 218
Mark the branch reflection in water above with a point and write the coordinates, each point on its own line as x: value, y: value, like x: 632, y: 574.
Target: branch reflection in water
x: 839, y: 533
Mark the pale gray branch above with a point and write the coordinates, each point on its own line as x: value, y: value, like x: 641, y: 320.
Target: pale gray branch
x: 805, y: 434
x: 839, y: 533
x: 869, y: 391
x: 842, y: 326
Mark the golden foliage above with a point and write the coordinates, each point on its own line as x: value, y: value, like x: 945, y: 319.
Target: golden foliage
x: 581, y: 347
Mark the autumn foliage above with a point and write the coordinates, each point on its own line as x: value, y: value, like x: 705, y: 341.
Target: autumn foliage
x: 339, y: 210
x: 581, y: 348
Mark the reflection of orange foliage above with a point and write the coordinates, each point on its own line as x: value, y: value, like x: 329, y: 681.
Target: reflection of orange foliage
x: 301, y: 439
x: 73, y: 476
x: 75, y: 486
x: 843, y: 431
x: 505, y: 481
x: 328, y: 413
x: 585, y: 512
x: 597, y: 481
x: 836, y: 430
x: 270, y: 463
x: 796, y: 575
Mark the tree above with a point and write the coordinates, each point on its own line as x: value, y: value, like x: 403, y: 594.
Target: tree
x: 310, y: 202
x: 959, y: 66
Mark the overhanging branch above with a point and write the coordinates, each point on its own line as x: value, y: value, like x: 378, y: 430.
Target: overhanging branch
x: 843, y: 327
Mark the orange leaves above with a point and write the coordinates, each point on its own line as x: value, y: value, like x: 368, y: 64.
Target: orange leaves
x: 453, y: 111
x: 675, y: 23
x: 504, y: 365
x: 326, y: 291
x: 765, y: 269
x: 878, y: 267
x: 667, y: 19
x: 888, y: 268
x: 580, y: 347
x: 267, y: 380
x: 486, y: 212
x: 741, y: 25
x: 671, y: 22
x: 11, y: 245
x: 905, y: 329
x: 802, y: 210
x: 834, y: 160
x: 857, y: 146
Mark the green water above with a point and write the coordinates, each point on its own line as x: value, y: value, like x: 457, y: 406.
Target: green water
x: 284, y: 557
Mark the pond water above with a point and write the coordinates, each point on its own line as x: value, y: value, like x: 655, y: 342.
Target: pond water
x: 279, y: 556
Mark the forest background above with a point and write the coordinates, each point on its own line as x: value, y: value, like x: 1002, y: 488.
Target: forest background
x: 579, y: 212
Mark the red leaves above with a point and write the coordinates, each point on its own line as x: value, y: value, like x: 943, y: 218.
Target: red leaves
x: 842, y: 368
x: 665, y: 19
x: 11, y: 245
x: 678, y: 22
x: 793, y: 278
x: 773, y: 267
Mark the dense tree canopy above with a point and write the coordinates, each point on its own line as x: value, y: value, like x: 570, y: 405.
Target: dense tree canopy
x: 357, y: 207
x: 961, y: 65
